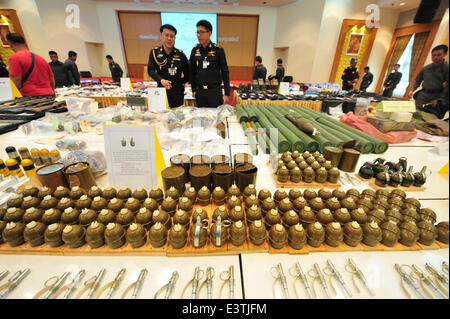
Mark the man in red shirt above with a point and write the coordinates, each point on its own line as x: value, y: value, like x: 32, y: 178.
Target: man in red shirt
x: 32, y: 79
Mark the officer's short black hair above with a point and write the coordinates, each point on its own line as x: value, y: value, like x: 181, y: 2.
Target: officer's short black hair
x: 109, y: 57
x: 72, y: 53
x: 440, y: 47
x: 52, y: 52
x: 259, y: 59
x: 280, y: 61
x: 168, y: 27
x: 367, y: 68
x: 15, y: 38
x: 205, y: 24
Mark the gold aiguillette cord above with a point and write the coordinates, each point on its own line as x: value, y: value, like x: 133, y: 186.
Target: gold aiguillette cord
x: 108, y: 285
x: 82, y: 291
x: 128, y: 290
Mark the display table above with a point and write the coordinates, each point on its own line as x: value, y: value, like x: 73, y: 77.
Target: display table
x: 314, y: 105
x: 378, y: 266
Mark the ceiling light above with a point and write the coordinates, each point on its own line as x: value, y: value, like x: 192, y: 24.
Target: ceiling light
x: 402, y: 3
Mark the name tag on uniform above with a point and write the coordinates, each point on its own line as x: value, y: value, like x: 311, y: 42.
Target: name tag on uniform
x: 205, y: 64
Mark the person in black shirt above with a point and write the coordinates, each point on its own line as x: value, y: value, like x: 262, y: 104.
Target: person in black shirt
x: 169, y: 66
x: 391, y: 82
x: 367, y: 79
x: 72, y: 68
x: 260, y: 70
x: 279, y: 73
x: 116, y: 70
x: 4, y: 73
x: 350, y: 76
x: 208, y: 65
x: 59, y: 70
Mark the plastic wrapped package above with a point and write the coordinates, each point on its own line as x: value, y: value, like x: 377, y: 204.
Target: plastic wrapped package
x: 96, y: 160
x: 362, y: 106
x: 80, y: 106
x: 193, y: 131
x: 71, y: 145
x: 41, y: 127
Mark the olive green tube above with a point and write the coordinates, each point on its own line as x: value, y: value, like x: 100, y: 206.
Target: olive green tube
x: 283, y: 144
x: 251, y: 114
x: 325, y: 139
x: 336, y: 137
x: 345, y: 136
x: 250, y: 138
x: 241, y: 114
x: 297, y: 143
x: 311, y: 145
x: 366, y: 144
x: 380, y: 145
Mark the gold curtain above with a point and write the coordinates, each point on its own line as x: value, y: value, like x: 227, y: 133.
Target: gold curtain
x: 399, y: 47
x: 420, y: 39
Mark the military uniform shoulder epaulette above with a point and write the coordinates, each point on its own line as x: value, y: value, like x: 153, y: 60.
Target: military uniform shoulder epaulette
x: 156, y: 48
x: 178, y: 51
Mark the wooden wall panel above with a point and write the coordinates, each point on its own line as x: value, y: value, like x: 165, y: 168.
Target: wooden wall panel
x: 136, y: 70
x: 133, y: 26
x: 241, y: 73
x: 240, y: 54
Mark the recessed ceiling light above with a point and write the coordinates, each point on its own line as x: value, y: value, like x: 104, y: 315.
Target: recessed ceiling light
x: 402, y: 3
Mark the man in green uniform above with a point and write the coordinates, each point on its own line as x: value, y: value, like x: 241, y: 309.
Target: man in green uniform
x: 209, y: 68
x: 391, y: 82
x: 367, y: 79
x: 350, y: 76
x: 116, y: 70
x: 434, y: 79
x: 169, y: 66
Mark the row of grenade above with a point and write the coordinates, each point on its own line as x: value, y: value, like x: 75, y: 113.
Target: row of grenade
x: 393, y: 174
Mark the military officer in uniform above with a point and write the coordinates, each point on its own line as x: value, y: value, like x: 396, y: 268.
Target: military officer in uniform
x: 209, y: 68
x: 391, y: 82
x: 116, y: 70
x: 169, y: 66
x: 350, y: 76
x: 367, y: 79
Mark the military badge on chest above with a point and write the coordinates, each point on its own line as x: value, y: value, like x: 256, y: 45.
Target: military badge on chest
x: 172, y: 70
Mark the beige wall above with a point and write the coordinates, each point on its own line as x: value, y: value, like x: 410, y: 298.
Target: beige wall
x: 62, y: 39
x: 298, y: 26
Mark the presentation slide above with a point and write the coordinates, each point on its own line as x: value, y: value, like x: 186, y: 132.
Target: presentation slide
x: 185, y: 23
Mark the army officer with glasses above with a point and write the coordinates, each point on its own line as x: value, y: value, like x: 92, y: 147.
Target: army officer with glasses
x: 208, y: 68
